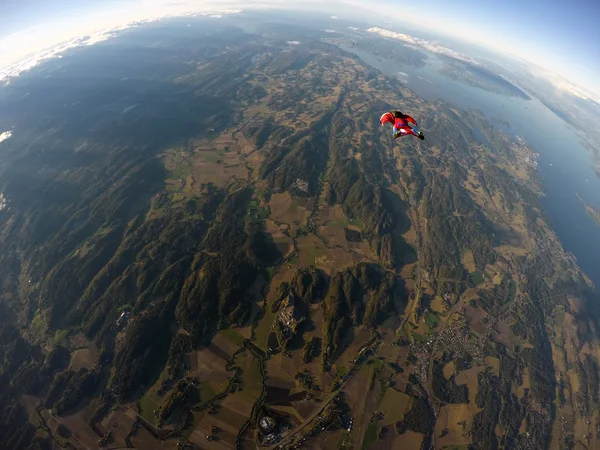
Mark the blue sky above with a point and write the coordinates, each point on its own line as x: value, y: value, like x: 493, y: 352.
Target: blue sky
x: 561, y: 36
x: 19, y: 15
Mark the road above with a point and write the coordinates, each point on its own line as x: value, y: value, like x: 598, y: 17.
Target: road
x: 328, y: 400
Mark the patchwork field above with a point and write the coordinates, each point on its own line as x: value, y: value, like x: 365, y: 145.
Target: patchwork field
x: 287, y: 210
x: 394, y: 404
x: 448, y: 427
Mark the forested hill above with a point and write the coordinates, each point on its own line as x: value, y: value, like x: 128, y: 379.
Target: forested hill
x: 225, y: 233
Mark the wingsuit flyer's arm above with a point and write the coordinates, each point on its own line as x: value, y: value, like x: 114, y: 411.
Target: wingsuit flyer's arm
x: 410, y: 119
x: 387, y: 118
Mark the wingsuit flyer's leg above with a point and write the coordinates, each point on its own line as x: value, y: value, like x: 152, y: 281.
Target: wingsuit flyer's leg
x: 402, y: 131
x: 406, y: 130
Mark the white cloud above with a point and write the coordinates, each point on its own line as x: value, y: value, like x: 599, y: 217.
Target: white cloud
x: 24, y: 50
x: 4, y: 136
x: 28, y: 63
x: 335, y: 17
x: 330, y: 31
x: 3, y: 202
x: 563, y: 85
x: 293, y: 42
x: 354, y: 28
x: 430, y: 46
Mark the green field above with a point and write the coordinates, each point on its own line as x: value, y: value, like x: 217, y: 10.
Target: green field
x: 293, y: 259
x: 341, y: 371
x: 60, y: 336
x: 148, y: 403
x: 263, y: 329
x: 419, y: 337
x: 257, y: 212
x: 370, y: 436
x: 252, y: 375
x: 357, y: 223
x: 210, y: 156
x: 431, y: 319
x: 233, y: 336
x: 512, y: 290
x: 181, y: 171
x: 338, y: 224
x: 477, y: 277
x: 205, y: 392
x: 38, y: 326
x: 394, y: 404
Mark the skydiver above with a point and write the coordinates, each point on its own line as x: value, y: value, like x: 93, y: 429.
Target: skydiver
x: 400, y: 124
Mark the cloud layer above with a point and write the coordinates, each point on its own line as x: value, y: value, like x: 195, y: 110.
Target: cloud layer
x: 563, y: 85
x: 21, y: 52
x: 4, y: 136
x: 432, y: 47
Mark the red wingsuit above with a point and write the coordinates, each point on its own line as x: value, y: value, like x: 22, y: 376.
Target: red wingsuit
x: 400, y: 123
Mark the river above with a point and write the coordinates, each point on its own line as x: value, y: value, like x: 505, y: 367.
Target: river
x: 564, y: 165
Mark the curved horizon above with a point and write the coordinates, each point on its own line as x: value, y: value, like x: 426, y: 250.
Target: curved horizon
x: 568, y: 61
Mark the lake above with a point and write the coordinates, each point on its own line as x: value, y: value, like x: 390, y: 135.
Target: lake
x: 564, y: 165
